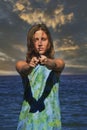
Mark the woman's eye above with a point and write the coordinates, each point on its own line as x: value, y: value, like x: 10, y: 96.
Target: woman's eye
x: 36, y: 39
x: 43, y: 39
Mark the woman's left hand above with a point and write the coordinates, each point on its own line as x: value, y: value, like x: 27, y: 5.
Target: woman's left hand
x: 42, y: 59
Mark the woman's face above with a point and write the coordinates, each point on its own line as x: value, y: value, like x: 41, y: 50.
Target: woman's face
x: 41, y: 42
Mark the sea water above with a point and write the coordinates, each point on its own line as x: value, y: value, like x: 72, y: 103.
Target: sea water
x: 73, y: 101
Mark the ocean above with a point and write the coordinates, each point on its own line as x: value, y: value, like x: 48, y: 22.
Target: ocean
x: 73, y: 101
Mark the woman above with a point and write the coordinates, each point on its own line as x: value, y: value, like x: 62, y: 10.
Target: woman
x: 40, y: 75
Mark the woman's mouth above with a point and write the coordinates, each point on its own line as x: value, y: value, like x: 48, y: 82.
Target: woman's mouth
x: 40, y: 49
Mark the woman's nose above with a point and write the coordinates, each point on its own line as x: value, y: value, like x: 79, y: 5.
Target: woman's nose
x: 40, y: 42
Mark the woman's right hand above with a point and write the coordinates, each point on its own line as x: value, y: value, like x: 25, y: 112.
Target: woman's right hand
x: 33, y: 62
x: 24, y: 68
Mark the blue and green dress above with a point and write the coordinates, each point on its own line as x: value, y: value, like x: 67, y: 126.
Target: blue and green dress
x: 40, y: 108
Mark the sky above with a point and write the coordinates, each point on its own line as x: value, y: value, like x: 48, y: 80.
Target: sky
x: 66, y: 20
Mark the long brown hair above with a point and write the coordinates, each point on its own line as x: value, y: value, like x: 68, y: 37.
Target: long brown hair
x: 30, y: 46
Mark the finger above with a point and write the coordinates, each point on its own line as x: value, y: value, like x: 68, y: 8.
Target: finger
x: 43, y: 61
x: 32, y: 65
x: 35, y: 60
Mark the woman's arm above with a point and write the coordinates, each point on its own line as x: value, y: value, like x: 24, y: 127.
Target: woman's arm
x: 54, y: 64
x: 24, y: 68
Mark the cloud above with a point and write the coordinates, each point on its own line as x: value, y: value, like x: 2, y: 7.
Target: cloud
x: 5, y: 57
x: 2, y: 72
x: 85, y: 45
x: 75, y: 69
x: 65, y: 45
x: 19, y: 6
x: 19, y: 47
x: 76, y: 66
x: 46, y: 1
x: 67, y: 48
x: 34, y: 15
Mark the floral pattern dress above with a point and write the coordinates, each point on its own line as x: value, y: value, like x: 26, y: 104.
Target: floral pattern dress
x: 40, y: 108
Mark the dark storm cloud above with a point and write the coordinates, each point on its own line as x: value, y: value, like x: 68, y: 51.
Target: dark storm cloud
x: 67, y: 21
